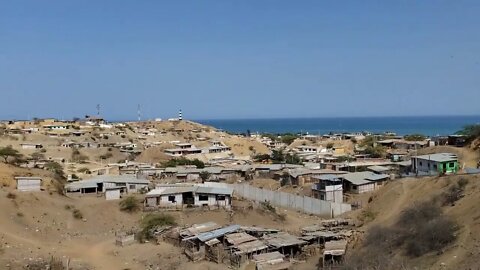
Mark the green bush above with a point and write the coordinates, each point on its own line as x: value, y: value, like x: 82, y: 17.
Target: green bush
x: 130, y: 204
x: 153, y: 221
x: 184, y: 161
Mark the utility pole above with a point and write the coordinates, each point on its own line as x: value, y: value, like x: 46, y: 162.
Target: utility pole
x: 98, y: 109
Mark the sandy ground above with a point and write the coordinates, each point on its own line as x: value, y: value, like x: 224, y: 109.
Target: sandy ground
x: 39, y: 225
x: 388, y: 202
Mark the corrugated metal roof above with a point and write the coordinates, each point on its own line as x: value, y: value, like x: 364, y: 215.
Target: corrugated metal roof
x: 439, y: 157
x: 377, y: 168
x: 282, y: 239
x: 362, y: 178
x: 335, y: 247
x: 27, y: 178
x: 249, y: 247
x: 214, y: 190
x: 217, y: 233
x: 238, y: 238
x: 118, y: 179
x: 265, y: 257
x: 177, y: 189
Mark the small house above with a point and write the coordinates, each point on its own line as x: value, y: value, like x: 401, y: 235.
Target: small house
x: 360, y: 182
x: 178, y: 196
x: 25, y: 183
x: 440, y: 163
x: 31, y: 145
x: 101, y: 183
x: 328, y: 188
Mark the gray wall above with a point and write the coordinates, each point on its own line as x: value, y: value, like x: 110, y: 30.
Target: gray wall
x: 304, y: 204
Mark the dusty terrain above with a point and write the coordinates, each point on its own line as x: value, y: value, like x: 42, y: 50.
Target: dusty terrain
x: 37, y: 226
x: 387, y: 203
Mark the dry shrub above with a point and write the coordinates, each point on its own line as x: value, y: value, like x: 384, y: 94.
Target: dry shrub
x: 420, y: 229
x: 454, y: 193
x: 130, y: 204
x: 77, y: 214
x: 11, y: 195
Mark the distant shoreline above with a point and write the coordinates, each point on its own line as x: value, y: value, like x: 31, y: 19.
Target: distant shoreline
x: 401, y: 125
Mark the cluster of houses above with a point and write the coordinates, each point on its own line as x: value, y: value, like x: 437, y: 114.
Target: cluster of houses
x: 236, y: 245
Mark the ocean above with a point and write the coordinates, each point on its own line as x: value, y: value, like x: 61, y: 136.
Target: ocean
x: 426, y: 125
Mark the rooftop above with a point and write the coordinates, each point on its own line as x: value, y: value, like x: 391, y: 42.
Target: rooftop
x: 362, y: 178
x: 439, y: 157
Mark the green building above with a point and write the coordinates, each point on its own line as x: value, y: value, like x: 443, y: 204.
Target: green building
x: 439, y: 163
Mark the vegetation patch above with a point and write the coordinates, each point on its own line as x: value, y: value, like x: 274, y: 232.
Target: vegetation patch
x: 130, y: 204
x: 152, y: 222
x: 184, y: 161
x: 453, y: 193
x: 269, y: 208
x: 11, y: 195
x: 420, y: 229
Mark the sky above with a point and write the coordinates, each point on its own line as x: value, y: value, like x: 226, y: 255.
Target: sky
x: 239, y: 59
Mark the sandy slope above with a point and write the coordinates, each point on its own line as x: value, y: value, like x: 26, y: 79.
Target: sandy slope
x: 389, y: 202
x: 39, y: 225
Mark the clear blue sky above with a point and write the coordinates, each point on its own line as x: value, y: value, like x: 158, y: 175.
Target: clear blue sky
x: 239, y: 59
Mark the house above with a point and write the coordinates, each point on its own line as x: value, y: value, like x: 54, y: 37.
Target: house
x: 360, y: 182
x: 328, y: 188
x: 178, y: 196
x: 307, y: 149
x: 440, y: 163
x: 396, y: 155
x: 457, y: 140
x: 58, y: 126
x: 182, y: 150
x: 31, y: 145
x: 102, y: 183
x: 25, y: 183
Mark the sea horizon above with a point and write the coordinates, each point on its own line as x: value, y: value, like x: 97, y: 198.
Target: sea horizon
x: 401, y: 125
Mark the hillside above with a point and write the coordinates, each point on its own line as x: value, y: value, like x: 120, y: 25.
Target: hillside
x: 387, y: 205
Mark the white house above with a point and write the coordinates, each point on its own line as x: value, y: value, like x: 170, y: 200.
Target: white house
x: 101, y: 183
x: 178, y: 196
x: 25, y: 183
x: 31, y: 145
x: 328, y: 188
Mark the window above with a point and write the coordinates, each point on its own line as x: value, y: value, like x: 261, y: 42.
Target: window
x: 171, y: 198
x: 451, y: 165
x: 421, y: 163
x: 132, y: 186
x: 203, y: 197
x: 435, y: 166
x: 221, y: 198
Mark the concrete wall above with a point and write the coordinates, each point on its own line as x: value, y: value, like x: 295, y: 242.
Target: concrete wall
x: 29, y: 185
x: 112, y: 194
x: 212, y: 201
x: 166, y: 203
x: 281, y: 199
